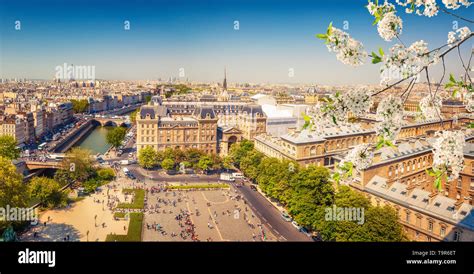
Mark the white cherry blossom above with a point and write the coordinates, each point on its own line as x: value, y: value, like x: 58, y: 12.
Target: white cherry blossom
x: 448, y: 152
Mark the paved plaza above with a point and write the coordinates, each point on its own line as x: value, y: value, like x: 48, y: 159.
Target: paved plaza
x: 171, y: 215
x: 217, y: 215
x: 87, y: 220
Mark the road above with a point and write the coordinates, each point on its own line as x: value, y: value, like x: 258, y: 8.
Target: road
x: 285, y: 231
x: 270, y: 215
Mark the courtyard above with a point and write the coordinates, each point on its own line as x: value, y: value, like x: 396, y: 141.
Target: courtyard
x: 212, y: 215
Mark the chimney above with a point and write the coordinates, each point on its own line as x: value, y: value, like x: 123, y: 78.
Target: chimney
x: 458, y: 204
x: 410, y: 189
x: 432, y: 196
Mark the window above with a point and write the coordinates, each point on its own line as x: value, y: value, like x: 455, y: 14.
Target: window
x: 459, y: 183
x: 407, y: 219
x: 457, y: 236
x: 430, y: 226
x: 442, y: 231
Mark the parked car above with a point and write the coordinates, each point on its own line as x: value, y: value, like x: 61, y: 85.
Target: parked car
x: 252, y: 187
x: 238, y: 175
x: 305, y: 231
x: 296, y: 225
x: 316, y: 237
x: 286, y: 217
x: 124, y: 162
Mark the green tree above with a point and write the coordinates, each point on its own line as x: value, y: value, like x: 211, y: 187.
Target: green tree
x: 205, y: 163
x: 381, y: 225
x: 249, y: 163
x: 227, y: 162
x: 147, y: 157
x: 47, y: 191
x: 116, y: 136
x: 311, y: 190
x: 63, y: 177
x: 8, y: 147
x: 168, y: 164
x: 106, y: 174
x: 80, y: 106
x: 378, y: 223
x: 341, y: 230
x: 133, y: 116
x: 274, y: 178
x: 147, y: 98
x: 193, y: 155
x: 240, y: 150
x: 91, y: 185
x: 169, y: 153
x: 13, y: 192
x: 79, y: 163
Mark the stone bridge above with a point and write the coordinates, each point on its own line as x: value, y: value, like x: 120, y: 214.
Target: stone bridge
x: 111, y: 121
x: 32, y: 165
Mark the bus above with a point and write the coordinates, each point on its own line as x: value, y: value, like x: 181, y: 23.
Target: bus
x: 42, y: 146
x: 55, y: 156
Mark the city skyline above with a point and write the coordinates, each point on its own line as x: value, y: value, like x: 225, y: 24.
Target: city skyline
x: 274, y: 40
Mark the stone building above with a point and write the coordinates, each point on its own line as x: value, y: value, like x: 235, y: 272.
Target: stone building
x: 158, y: 128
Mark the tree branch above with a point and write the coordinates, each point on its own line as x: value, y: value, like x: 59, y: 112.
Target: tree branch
x: 442, y: 77
x: 464, y: 66
x: 455, y: 15
x: 423, y: 68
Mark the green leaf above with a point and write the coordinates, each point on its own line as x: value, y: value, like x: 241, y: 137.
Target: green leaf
x: 322, y: 36
x: 455, y: 91
x: 471, y: 125
x: 336, y: 177
x: 437, y: 183
x: 390, y: 144
x: 380, y: 144
x: 329, y: 31
x: 381, y: 52
x: 451, y: 78
x: 376, y: 60
x: 334, y: 119
x: 449, y: 84
x: 430, y: 172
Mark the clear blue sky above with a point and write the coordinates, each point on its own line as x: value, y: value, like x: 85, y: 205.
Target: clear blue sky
x: 199, y: 37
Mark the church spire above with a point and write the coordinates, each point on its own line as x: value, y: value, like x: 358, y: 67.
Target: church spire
x: 224, y: 85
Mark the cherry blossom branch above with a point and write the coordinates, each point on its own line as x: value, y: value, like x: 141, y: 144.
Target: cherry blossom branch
x: 442, y: 77
x: 464, y: 66
x: 423, y: 68
x: 409, y: 89
x: 455, y: 15
x: 431, y: 94
x: 469, y: 63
